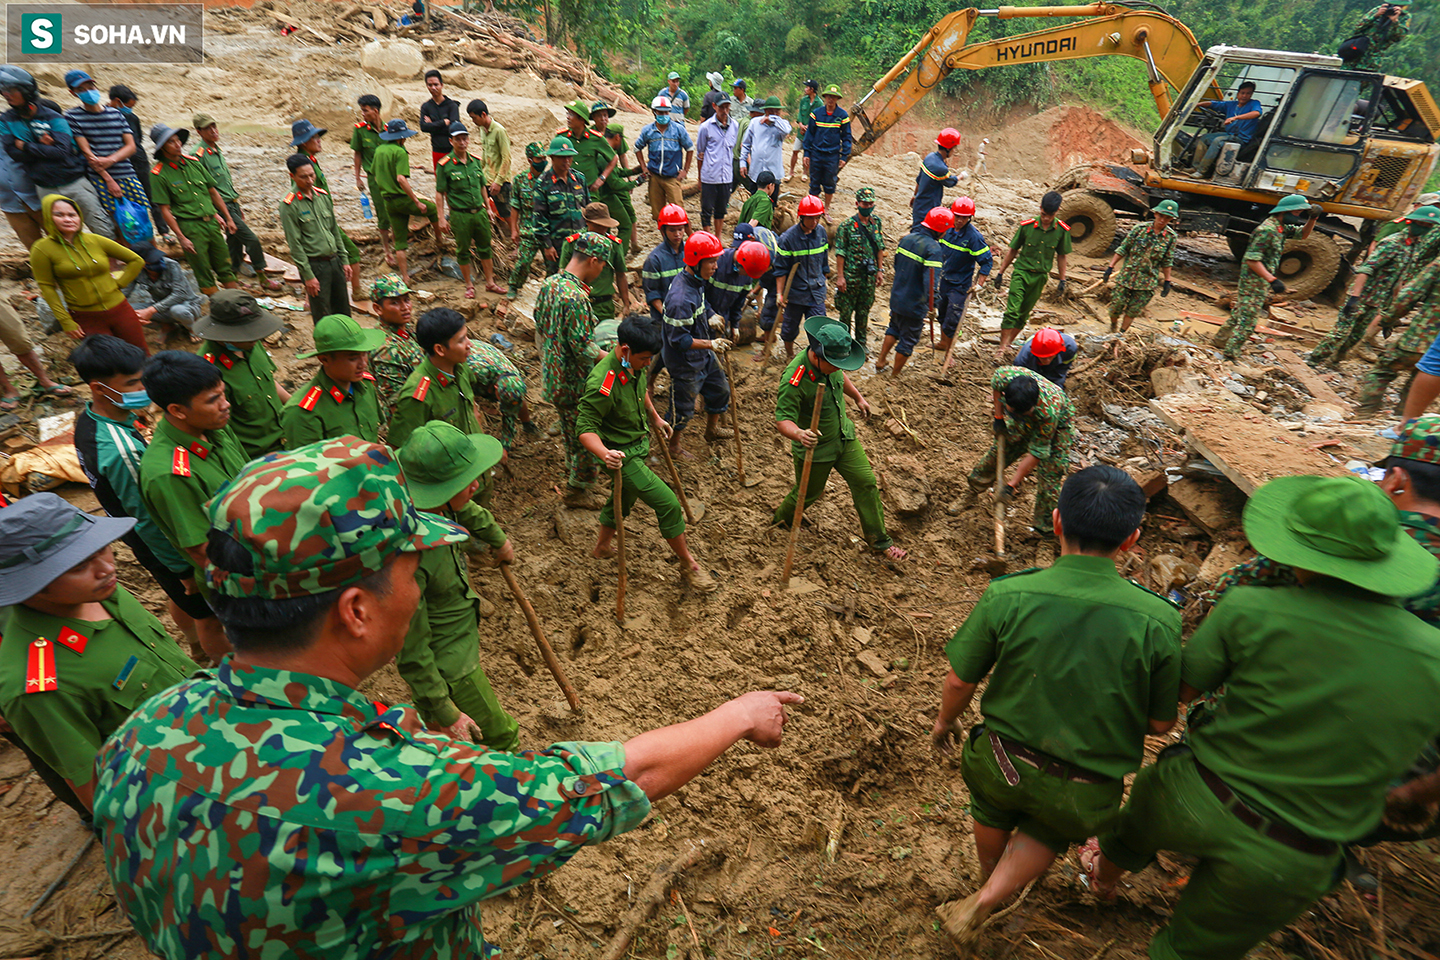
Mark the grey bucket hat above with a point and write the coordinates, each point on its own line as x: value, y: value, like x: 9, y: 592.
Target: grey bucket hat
x: 42, y: 536
x: 160, y: 133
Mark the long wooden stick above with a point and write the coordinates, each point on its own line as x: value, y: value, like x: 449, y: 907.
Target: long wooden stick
x: 546, y: 651
x: 675, y: 475
x: 651, y: 896
x: 734, y: 417
x: 950, y: 350
x: 618, y: 501
x: 779, y: 318
x: 999, y: 504
x: 800, y: 491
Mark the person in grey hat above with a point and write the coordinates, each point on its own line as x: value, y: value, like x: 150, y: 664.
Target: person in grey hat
x: 163, y: 293
x: 184, y: 192
x: 82, y: 652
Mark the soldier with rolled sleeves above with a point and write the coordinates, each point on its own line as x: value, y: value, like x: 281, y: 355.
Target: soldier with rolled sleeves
x: 81, y: 652
x: 1291, y: 218
x: 1148, y: 252
x: 307, y: 215
x: 341, y: 399
x: 390, y: 179
x: 233, y: 333
x: 318, y: 587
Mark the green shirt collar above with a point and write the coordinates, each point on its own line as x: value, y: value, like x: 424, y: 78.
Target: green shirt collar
x: 1084, y: 563
x: 286, y: 689
x: 129, y: 424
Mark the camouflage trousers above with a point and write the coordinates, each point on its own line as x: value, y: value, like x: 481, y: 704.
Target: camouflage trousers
x: 1390, y: 364
x: 1129, y: 301
x: 1349, y: 329
x: 858, y: 298
x: 525, y: 253
x: 1244, y: 318
x: 1049, y: 474
x: 581, y: 465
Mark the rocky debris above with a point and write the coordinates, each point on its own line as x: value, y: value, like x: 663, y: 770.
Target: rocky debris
x: 402, y: 59
x: 906, y: 487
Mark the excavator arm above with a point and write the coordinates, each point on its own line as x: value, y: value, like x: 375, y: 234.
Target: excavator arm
x: 1165, y: 45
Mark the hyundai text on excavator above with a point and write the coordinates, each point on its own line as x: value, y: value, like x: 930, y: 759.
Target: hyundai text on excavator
x: 1361, y: 145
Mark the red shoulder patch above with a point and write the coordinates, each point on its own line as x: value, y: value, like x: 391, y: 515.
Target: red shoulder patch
x: 75, y: 641
x: 1063, y: 224
x: 312, y: 396
x: 445, y: 159
x: 422, y: 388
x: 337, y: 395
x: 180, y: 464
x: 367, y: 376
x: 797, y: 376
x: 40, y: 670
x: 1028, y: 223
x: 155, y: 169
x: 362, y: 125
x: 289, y: 197
x: 608, y: 385
x: 319, y: 189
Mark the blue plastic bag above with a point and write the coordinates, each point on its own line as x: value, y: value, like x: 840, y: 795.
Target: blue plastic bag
x: 133, y: 221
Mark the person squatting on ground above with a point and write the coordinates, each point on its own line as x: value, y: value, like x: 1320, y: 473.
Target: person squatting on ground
x: 164, y: 294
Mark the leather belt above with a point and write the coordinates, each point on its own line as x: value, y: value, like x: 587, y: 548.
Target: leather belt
x: 330, y: 256
x: 1043, y: 762
x: 1274, y: 829
x: 466, y: 209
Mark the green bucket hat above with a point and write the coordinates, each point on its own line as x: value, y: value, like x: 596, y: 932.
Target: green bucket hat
x: 319, y: 518
x: 773, y: 103
x: 235, y: 317
x: 865, y: 195
x: 439, y: 461
x: 338, y: 332
x: 832, y: 91
x: 599, y: 105
x: 389, y: 285
x: 1291, y: 204
x: 534, y: 150
x: 1419, y: 439
x: 1342, y: 527
x: 562, y: 147
x: 1168, y: 208
x: 1427, y: 214
x: 833, y: 342
x: 580, y: 108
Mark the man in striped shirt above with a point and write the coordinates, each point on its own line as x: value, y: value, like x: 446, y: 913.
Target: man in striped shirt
x: 104, y: 138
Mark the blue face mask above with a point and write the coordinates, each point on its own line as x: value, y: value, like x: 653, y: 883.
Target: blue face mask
x: 89, y: 97
x: 126, y: 110
x: 137, y: 400
x: 625, y: 363
x: 662, y: 121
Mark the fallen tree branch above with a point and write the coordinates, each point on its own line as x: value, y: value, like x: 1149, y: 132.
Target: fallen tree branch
x: 652, y: 896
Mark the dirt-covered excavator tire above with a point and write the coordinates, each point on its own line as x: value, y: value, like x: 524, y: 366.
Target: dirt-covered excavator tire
x: 1092, y: 223
x: 1308, y: 265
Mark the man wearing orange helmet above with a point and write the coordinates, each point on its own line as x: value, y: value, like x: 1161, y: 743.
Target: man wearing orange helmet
x: 1049, y: 353
x: 912, y: 295
x: 1148, y: 251
x: 934, y: 177
x: 691, y: 346
x: 739, y: 269
x: 964, y: 250
x: 666, y: 261
x: 800, y: 271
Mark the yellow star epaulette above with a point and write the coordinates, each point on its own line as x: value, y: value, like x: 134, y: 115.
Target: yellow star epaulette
x: 797, y: 376
x: 156, y: 169
x: 312, y: 396
x: 608, y: 385
x: 445, y: 159
x: 40, y: 668
x: 421, y: 388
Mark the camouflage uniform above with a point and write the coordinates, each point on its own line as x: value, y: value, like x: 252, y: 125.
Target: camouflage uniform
x: 522, y: 200
x: 1383, y: 34
x: 251, y: 806
x: 558, y: 205
x: 1146, y: 254
x: 1422, y: 292
x: 861, y: 246
x: 1267, y: 243
x: 1390, y: 267
x: 393, y: 363
x: 563, y: 322
x: 493, y: 375
x: 1044, y: 432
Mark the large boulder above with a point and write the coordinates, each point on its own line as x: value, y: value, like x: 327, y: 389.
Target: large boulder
x: 402, y: 59
x: 331, y: 102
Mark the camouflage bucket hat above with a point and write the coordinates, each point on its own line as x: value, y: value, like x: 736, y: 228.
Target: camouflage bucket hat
x: 535, y: 151
x: 865, y: 195
x: 338, y: 333
x: 592, y: 244
x: 1419, y: 440
x: 440, y: 462
x: 389, y: 285
x: 235, y: 317
x: 319, y: 518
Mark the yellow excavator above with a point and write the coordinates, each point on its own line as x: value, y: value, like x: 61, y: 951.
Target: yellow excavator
x: 1359, y: 144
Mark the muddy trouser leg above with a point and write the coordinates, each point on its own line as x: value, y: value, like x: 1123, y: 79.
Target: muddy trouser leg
x: 864, y: 300
x: 524, y: 256
x: 1387, y: 367
x: 951, y: 309
x: 854, y: 468
x: 982, y: 476
x: 1244, y: 317
x: 819, y: 473
x: 615, y: 203
x: 1129, y: 301
x: 1025, y: 292
x: 1050, y: 477
x: 845, y: 306
x: 772, y: 305
x: 642, y: 484
x: 474, y: 696
x: 510, y: 393
x: 1349, y: 328
x: 1405, y: 390
x: 243, y: 240
x: 580, y: 463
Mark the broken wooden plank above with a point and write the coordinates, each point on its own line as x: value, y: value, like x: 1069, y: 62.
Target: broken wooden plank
x: 1165, y: 380
x: 1222, y: 556
x: 1317, y: 388
x: 292, y: 22
x: 1221, y: 321
x: 1204, y: 504
x: 1150, y: 480
x: 1191, y: 287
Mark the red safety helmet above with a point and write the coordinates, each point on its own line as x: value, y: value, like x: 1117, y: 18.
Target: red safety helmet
x: 674, y: 215
x: 1047, y: 343
x: 701, y: 246
x: 963, y: 207
x: 752, y: 257
x: 810, y: 206
x: 949, y: 138
x: 939, y: 219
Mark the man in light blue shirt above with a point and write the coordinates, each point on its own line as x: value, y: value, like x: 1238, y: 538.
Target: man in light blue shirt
x: 679, y: 99
x: 665, y: 151
x: 763, y: 147
x: 715, y: 144
x: 1241, y: 123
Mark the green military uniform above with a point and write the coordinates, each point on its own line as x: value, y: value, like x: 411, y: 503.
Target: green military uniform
x: 1267, y: 244
x: 352, y: 249
x: 861, y: 245
x: 429, y: 394
x: 493, y: 375
x: 393, y: 161
x: 522, y: 201
x: 179, y: 473
x: 1037, y: 248
x: 393, y: 363
x: 464, y: 186
x: 615, y: 191
x: 317, y: 245
x: 613, y: 408
x: 243, y: 239
x: 92, y: 674
x: 557, y: 213
x: 563, y: 322
x: 602, y: 288
x: 808, y: 105
x: 760, y: 210
x: 365, y: 140
x: 593, y: 155
x: 184, y: 186
x: 1146, y: 253
x: 1383, y: 33
x: 1389, y: 268
x: 1046, y: 432
x: 1421, y: 294
x: 255, y: 405
x: 322, y: 409
x: 1045, y: 638
x: 838, y: 448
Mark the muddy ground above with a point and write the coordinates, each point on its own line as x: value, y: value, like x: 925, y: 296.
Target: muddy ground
x: 861, y: 638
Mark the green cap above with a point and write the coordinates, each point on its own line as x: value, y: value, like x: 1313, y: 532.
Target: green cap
x: 562, y: 147
x: 591, y: 244
x: 865, y: 195
x: 773, y: 103
x: 1168, y: 208
x: 389, y: 285
x: 1342, y: 527
x: 1419, y: 439
x: 579, y: 108
x: 832, y: 340
x: 611, y: 129
x: 439, y: 461
x: 319, y: 518
x: 338, y: 332
x: 832, y: 91
x: 202, y: 120
x: 534, y: 150
x: 1430, y: 215
x: 1291, y: 203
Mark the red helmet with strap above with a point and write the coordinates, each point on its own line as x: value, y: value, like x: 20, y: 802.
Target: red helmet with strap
x: 949, y: 138
x: 753, y: 258
x: 701, y: 246
x: 963, y: 207
x: 674, y: 215
x: 939, y: 219
x: 810, y: 206
x: 1047, y: 343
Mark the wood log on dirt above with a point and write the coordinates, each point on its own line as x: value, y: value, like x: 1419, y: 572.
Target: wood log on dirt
x: 651, y: 897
